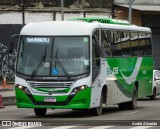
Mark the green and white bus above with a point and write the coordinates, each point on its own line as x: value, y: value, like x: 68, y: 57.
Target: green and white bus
x: 83, y: 63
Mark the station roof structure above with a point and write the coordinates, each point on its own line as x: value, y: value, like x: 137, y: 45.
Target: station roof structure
x: 142, y: 5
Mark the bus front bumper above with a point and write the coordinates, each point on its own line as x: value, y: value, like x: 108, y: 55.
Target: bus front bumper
x: 81, y: 100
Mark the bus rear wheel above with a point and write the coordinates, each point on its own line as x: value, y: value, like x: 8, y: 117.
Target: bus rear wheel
x: 40, y: 111
x: 133, y: 103
x: 153, y: 97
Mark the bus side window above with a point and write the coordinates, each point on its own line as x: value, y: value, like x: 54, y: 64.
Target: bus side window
x: 95, y: 54
x: 142, y: 42
x: 148, y: 50
x: 106, y: 43
x: 125, y: 43
x: 134, y: 43
x: 116, y: 44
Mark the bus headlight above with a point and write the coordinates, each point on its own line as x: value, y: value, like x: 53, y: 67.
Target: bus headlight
x: 23, y: 88
x: 78, y: 89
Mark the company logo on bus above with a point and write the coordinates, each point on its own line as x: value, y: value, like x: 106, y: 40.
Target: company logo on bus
x: 38, y: 40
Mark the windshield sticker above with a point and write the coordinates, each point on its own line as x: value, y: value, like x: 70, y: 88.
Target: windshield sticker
x: 54, y: 72
x: 85, y: 39
x: 38, y: 40
x: 46, y: 64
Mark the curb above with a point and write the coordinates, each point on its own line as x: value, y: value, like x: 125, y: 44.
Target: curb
x: 10, y: 100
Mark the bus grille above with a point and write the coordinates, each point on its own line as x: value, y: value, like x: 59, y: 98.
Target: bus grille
x: 50, y: 84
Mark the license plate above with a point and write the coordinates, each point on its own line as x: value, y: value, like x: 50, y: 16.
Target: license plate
x: 49, y: 99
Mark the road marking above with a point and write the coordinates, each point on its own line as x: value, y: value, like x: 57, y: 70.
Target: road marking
x: 142, y: 127
x: 64, y: 127
x: 30, y: 114
x: 102, y: 127
x: 130, y: 113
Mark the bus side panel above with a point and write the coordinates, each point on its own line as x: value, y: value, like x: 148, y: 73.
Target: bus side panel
x: 107, y: 77
x: 130, y: 70
x: 145, y: 77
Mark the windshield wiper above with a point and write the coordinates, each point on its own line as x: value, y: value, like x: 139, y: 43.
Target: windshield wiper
x: 62, y: 67
x: 39, y: 64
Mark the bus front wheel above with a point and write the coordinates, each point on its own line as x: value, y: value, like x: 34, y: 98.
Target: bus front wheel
x: 98, y: 111
x: 40, y: 111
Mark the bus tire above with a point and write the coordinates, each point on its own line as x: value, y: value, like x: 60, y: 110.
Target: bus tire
x: 98, y: 111
x: 40, y: 111
x: 153, y: 96
x: 133, y: 103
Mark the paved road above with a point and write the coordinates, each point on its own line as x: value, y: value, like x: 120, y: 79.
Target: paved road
x: 112, y: 118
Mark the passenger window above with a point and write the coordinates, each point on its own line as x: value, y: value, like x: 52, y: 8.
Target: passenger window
x: 95, y: 54
x: 145, y: 44
x: 124, y: 36
x: 106, y: 43
x: 116, y: 36
x: 148, y: 50
x: 116, y: 45
x: 125, y: 43
x: 134, y: 43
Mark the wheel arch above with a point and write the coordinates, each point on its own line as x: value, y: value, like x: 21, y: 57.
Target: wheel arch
x: 104, y: 93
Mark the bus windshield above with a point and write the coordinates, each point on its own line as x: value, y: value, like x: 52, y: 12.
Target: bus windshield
x: 53, y: 56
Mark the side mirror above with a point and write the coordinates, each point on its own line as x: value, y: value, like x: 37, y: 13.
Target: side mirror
x: 12, y: 42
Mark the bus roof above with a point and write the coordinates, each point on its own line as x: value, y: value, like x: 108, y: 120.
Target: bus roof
x: 61, y: 28
x: 69, y: 28
x: 103, y: 20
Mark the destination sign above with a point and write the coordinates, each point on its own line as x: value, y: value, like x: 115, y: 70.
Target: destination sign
x: 38, y: 40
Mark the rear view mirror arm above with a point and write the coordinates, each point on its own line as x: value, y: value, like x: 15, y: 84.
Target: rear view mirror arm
x: 11, y: 43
